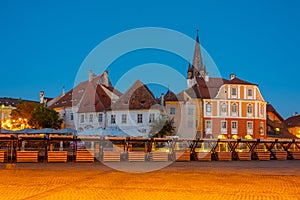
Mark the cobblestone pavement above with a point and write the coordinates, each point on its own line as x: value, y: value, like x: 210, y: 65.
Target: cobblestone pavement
x: 190, y: 180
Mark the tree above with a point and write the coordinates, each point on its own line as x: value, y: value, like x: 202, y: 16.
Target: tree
x: 34, y: 115
x: 43, y: 117
x: 21, y: 115
x: 162, y: 126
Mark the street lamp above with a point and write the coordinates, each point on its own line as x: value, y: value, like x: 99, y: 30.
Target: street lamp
x: 1, y: 117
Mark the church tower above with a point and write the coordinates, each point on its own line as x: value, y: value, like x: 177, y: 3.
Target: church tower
x: 197, y: 69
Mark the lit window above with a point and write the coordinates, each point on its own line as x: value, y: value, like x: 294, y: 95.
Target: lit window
x: 234, y: 91
x: 124, y: 118
x: 139, y: 118
x: 261, y: 128
x: 151, y: 117
x: 172, y: 111
x: 100, y: 117
x: 91, y: 118
x: 82, y: 118
x: 113, y: 119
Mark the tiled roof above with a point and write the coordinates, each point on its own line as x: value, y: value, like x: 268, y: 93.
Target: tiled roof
x: 77, y: 94
x: 293, y: 121
x: 209, y: 89
x: 238, y: 81
x: 13, y: 102
x: 271, y: 109
x: 138, y: 96
x: 170, y: 96
x: 94, y: 99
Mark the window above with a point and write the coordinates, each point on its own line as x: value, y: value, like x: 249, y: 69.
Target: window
x: 82, y: 118
x: 208, y: 107
x: 151, y: 117
x: 262, y: 110
x: 172, y: 111
x: 223, y: 127
x: 249, y: 127
x: 234, y: 108
x: 261, y: 128
x: 124, y: 118
x: 190, y: 111
x: 233, y: 91
x: 223, y: 108
x: 208, y: 124
x: 190, y: 124
x: 139, y: 118
x: 91, y: 118
x: 71, y: 116
x: 249, y: 109
x: 234, y: 126
x: 100, y: 117
x: 224, y: 124
x: 113, y: 119
x: 250, y: 92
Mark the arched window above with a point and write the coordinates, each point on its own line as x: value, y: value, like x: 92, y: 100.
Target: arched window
x: 208, y: 108
x: 223, y: 108
x: 234, y: 108
x: 249, y: 109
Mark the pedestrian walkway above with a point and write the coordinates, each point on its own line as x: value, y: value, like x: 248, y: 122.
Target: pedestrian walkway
x: 190, y: 180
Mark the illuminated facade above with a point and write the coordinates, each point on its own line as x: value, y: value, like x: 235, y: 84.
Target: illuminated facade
x: 225, y: 108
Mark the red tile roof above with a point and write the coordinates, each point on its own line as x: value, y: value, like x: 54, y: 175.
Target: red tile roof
x: 79, y: 93
x: 292, y: 121
x: 94, y: 99
x: 138, y: 96
x: 271, y: 109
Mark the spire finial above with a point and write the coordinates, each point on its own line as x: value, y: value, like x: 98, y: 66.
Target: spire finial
x: 197, y: 36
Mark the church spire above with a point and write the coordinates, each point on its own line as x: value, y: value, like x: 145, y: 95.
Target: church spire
x: 197, y: 60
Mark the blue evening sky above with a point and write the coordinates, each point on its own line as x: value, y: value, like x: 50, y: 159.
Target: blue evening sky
x: 43, y: 43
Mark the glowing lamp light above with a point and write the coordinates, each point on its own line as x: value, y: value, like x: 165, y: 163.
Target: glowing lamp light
x: 248, y: 137
x: 277, y: 129
x: 220, y: 136
x: 235, y: 137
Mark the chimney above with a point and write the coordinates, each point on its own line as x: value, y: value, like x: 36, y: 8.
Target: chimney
x: 162, y: 100
x: 232, y: 76
x: 42, y: 97
x: 63, y: 92
x: 206, y: 77
x: 105, y: 77
x: 90, y: 75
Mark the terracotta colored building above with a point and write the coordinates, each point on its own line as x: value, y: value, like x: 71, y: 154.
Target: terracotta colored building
x: 225, y: 108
